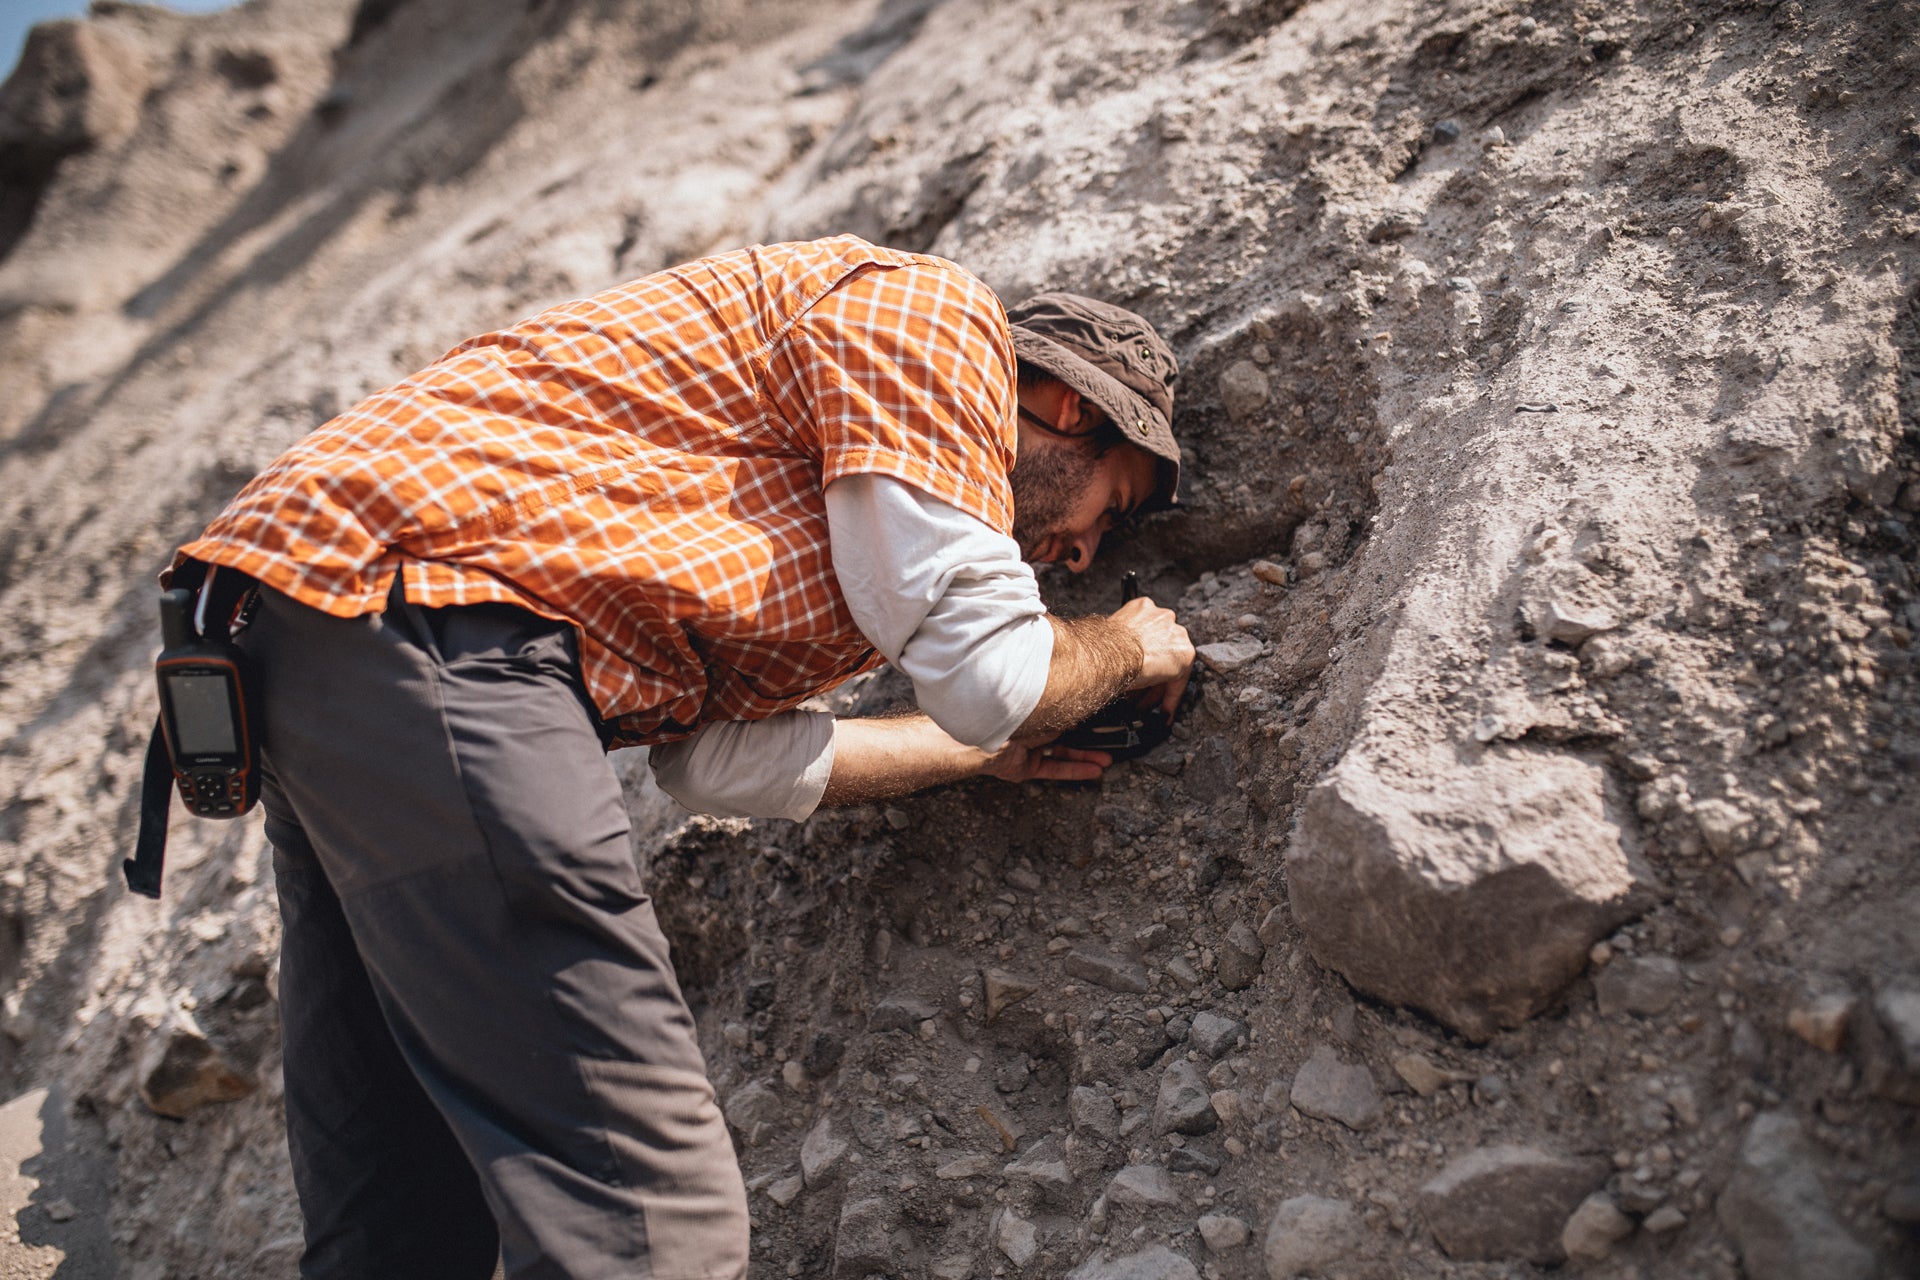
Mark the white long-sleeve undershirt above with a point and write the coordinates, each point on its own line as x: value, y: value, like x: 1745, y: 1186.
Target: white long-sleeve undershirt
x: 946, y: 599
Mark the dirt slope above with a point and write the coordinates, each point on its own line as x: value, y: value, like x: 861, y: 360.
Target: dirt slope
x: 1537, y: 871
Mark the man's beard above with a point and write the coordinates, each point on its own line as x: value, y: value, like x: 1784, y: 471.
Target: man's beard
x: 1047, y: 481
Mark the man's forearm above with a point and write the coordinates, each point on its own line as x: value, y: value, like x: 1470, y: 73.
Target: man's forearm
x: 1094, y: 659
x: 890, y: 756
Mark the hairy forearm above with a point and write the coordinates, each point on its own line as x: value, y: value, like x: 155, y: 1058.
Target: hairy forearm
x: 1094, y: 658
x: 890, y: 756
x: 877, y: 759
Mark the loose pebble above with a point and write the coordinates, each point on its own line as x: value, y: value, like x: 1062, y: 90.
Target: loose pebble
x: 1822, y: 1021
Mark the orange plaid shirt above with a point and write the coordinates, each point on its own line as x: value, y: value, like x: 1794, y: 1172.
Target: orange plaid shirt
x: 648, y: 463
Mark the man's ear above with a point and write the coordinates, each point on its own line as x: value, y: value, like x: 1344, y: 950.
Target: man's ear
x: 1066, y: 418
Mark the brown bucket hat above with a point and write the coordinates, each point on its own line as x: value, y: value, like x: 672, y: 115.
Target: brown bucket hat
x: 1114, y: 358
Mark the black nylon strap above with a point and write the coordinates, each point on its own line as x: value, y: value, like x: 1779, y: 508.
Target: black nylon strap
x: 156, y: 798
x: 227, y: 591
x: 190, y: 573
x: 143, y: 869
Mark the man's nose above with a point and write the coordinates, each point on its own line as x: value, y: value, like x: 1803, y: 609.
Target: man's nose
x: 1080, y: 551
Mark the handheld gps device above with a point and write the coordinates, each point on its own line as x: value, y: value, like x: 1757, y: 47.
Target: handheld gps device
x: 203, y: 712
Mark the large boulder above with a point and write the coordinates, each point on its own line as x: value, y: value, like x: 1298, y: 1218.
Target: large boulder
x: 1472, y: 890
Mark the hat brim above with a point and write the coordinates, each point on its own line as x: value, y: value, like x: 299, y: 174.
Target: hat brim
x: 1142, y: 425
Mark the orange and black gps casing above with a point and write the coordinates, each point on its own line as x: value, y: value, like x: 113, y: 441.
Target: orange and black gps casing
x: 203, y: 711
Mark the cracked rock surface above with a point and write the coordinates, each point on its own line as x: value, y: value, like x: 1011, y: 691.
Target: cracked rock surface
x: 1551, y: 399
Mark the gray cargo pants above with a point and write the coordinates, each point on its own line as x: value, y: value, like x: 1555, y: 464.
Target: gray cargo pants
x: 485, y: 1047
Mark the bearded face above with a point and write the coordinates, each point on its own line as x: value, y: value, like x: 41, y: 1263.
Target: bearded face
x: 1048, y: 479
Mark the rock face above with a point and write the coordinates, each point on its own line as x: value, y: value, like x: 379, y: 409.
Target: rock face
x: 77, y: 86
x: 1778, y: 1214
x: 1306, y: 1233
x: 1549, y: 383
x: 1507, y: 1202
x: 1416, y: 897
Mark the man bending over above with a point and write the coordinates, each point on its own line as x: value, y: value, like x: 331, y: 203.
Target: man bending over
x: 662, y: 516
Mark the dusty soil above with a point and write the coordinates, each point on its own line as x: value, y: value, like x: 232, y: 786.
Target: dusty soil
x: 1537, y: 870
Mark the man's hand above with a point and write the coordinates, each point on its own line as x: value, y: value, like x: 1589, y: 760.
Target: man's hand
x: 1028, y: 762
x: 1096, y: 659
x: 1166, y: 651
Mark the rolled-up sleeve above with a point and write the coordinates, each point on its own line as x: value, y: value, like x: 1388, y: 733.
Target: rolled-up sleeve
x: 772, y: 768
x: 947, y: 599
